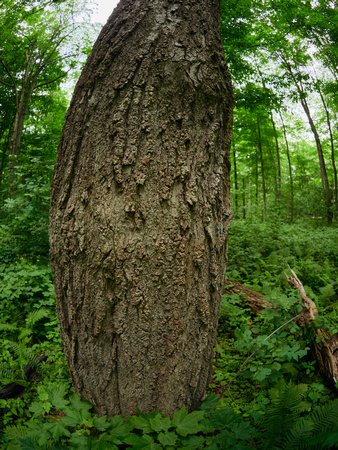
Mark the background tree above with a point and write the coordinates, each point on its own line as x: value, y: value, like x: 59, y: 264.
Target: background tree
x: 140, y: 209
x: 35, y: 55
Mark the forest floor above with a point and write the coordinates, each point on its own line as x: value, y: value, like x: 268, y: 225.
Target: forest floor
x: 283, y: 365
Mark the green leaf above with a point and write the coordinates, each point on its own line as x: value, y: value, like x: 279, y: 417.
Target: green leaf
x: 118, y: 427
x: 54, y: 393
x: 160, y: 423
x: 57, y: 429
x: 80, y: 441
x: 100, y: 423
x: 187, y: 424
x: 168, y: 438
x: 223, y: 417
x: 28, y: 444
x: 39, y: 408
x: 145, y: 442
x: 242, y: 430
x: 194, y: 442
x: 140, y: 423
x: 37, y: 431
x: 74, y: 416
x: 262, y: 373
x: 77, y: 413
x: 79, y: 404
x: 210, y: 402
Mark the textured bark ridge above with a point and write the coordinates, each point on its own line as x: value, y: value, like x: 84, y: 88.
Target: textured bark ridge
x: 140, y: 208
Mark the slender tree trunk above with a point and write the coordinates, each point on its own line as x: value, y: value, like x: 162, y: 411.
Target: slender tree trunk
x: 324, y: 178
x: 335, y: 208
x: 235, y: 178
x: 256, y: 176
x: 262, y: 166
x: 279, y: 184
x: 5, y: 148
x: 140, y: 208
x: 21, y: 111
x: 243, y: 199
x: 290, y: 169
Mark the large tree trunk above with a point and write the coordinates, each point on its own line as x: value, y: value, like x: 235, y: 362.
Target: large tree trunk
x: 140, y: 208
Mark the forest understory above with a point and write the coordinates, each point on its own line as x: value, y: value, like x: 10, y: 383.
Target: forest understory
x: 270, y: 389
x: 281, y: 384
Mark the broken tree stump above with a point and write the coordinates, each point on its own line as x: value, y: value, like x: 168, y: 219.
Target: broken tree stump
x: 324, y: 346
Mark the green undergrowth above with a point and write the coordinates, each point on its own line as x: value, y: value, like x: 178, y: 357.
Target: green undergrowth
x: 59, y: 420
x: 266, y: 391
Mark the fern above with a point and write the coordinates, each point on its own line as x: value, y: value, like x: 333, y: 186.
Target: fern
x: 24, y: 334
x: 7, y: 327
x: 24, y: 354
x: 325, y: 417
x: 325, y: 427
x: 35, y: 316
x: 295, y: 437
x: 282, y: 415
x: 16, y: 432
x: 283, y: 428
x: 10, y: 374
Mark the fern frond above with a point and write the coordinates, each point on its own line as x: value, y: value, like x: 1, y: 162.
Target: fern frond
x: 35, y: 316
x: 325, y: 417
x: 281, y: 416
x: 297, y: 435
x: 12, y: 374
x: 25, y: 332
x: 30, y: 356
x: 322, y: 440
x: 7, y: 327
x: 8, y: 372
x: 16, y: 432
x: 15, y: 347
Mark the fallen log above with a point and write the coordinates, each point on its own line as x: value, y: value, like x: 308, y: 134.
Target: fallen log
x: 325, y: 351
x: 255, y: 300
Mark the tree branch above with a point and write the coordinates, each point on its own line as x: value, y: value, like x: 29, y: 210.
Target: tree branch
x: 51, y: 81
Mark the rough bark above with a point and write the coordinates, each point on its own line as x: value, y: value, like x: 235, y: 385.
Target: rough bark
x: 140, y: 208
x: 326, y: 352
